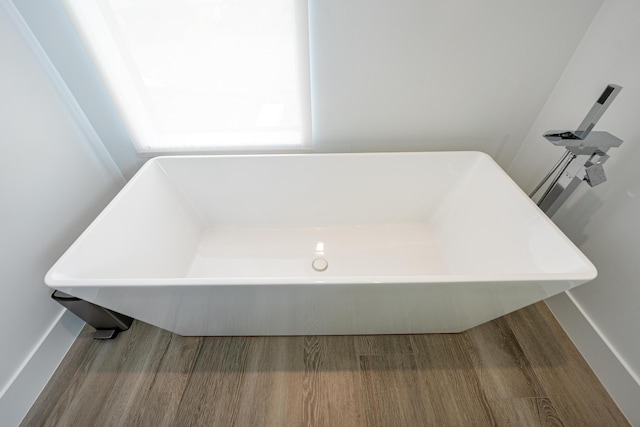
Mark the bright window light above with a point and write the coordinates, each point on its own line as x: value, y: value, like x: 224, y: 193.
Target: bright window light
x: 203, y: 75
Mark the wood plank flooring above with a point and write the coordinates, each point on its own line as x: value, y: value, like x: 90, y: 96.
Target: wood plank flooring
x: 519, y: 370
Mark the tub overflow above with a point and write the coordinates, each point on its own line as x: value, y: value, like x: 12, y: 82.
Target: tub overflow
x: 320, y: 264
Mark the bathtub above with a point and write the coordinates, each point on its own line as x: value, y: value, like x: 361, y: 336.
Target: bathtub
x: 317, y: 244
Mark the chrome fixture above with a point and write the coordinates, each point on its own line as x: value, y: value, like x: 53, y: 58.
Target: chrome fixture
x: 583, y: 159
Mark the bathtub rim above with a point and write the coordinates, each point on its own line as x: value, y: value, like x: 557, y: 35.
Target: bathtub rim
x: 57, y: 280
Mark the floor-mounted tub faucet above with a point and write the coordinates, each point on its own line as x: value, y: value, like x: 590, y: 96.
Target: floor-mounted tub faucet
x: 583, y: 160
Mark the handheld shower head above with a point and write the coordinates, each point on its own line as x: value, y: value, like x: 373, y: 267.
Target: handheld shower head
x: 571, y: 138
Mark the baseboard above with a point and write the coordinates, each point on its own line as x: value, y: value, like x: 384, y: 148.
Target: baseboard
x: 612, y: 372
x: 26, y: 386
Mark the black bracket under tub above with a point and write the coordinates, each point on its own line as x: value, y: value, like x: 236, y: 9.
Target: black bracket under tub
x: 108, y: 323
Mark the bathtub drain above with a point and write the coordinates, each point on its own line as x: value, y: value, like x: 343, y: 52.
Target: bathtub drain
x: 320, y: 264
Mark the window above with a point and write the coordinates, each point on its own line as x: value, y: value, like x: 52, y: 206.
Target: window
x: 203, y: 75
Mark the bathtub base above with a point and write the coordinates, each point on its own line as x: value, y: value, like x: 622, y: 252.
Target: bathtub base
x: 369, y: 309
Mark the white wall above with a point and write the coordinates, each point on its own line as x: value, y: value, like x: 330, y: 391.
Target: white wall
x: 55, y: 177
x: 423, y: 75
x: 604, y: 221
x: 51, y: 26
x: 388, y: 75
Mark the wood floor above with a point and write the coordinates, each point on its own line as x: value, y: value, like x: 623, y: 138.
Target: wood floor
x: 519, y: 370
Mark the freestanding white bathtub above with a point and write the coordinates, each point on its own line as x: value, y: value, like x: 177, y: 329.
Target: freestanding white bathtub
x: 320, y: 244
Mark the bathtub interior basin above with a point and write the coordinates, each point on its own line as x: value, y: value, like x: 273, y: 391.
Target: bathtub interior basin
x: 269, y: 244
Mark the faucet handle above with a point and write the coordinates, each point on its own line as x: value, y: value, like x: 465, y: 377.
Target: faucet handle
x: 595, y: 175
x: 594, y: 171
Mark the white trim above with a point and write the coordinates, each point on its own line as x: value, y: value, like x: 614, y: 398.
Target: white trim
x: 23, y: 389
x: 604, y: 338
x: 611, y: 369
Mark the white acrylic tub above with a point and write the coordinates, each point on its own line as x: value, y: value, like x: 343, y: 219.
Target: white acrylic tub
x: 411, y: 242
